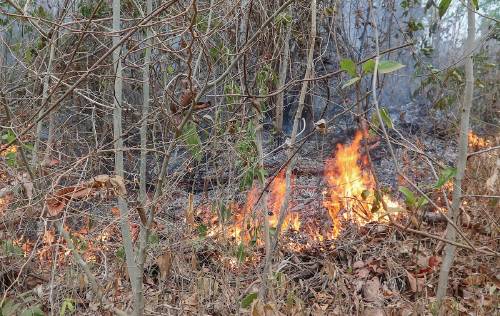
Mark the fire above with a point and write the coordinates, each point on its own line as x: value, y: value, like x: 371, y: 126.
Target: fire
x: 477, y: 142
x: 246, y: 222
x: 9, y: 150
x: 351, y: 188
x: 350, y: 197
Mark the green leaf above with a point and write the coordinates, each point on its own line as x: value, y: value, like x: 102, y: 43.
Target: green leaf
x: 248, y: 300
x: 349, y: 66
x: 350, y: 82
x: 387, y: 66
x: 120, y: 253
x: 192, y: 140
x: 445, y: 176
x: 9, y: 308
x: 34, y: 311
x: 386, y: 117
x: 68, y: 304
x: 202, y: 230
x: 368, y: 66
x: 476, y: 4
x: 9, y: 137
x: 10, y: 157
x: 170, y: 69
x: 409, y: 196
x: 443, y: 7
x: 421, y: 202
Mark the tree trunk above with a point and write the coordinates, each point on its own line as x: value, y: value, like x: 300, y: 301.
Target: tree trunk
x: 132, y: 268
x: 280, y: 99
x: 45, y: 96
x: 451, y: 233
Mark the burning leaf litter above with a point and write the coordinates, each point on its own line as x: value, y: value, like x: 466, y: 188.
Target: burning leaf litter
x: 350, y: 196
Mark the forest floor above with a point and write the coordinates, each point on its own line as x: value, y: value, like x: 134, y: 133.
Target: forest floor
x: 205, y: 260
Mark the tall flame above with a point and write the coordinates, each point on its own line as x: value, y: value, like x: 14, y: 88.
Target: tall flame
x: 350, y: 187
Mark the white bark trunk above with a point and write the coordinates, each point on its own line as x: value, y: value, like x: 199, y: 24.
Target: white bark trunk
x: 451, y: 233
x: 280, y: 104
x: 132, y: 268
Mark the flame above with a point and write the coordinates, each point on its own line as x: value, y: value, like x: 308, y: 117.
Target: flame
x: 246, y: 222
x: 7, y: 150
x: 477, y: 142
x: 351, y: 188
x: 350, y: 197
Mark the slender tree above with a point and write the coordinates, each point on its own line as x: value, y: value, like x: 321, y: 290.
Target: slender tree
x: 465, y: 108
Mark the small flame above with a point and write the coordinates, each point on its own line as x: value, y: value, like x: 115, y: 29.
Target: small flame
x: 477, y: 142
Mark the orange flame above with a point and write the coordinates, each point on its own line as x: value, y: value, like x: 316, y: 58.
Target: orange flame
x: 477, y: 142
x: 247, y: 220
x: 350, y: 188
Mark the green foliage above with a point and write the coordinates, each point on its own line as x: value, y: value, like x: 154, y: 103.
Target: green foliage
x: 170, y: 69
x: 411, y: 200
x: 68, y: 305
x: 192, y: 140
x: 220, y: 54
x: 350, y: 82
x: 224, y: 212
x: 283, y: 19
x: 368, y: 66
x: 33, y: 311
x: 120, y: 253
x: 41, y: 13
x: 388, y: 66
x: 201, y: 23
x: 349, y: 66
x: 445, y: 176
x: 202, y: 230
x: 9, y: 308
x: 443, y: 7
x: 385, y: 117
x: 266, y: 77
x: 384, y: 67
x: 246, y: 149
x: 248, y: 299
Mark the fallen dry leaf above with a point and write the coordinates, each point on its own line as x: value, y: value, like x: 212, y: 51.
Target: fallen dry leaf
x: 164, y: 262
x: 190, y: 304
x: 373, y: 311
x: 371, y: 290
x: 416, y: 284
x: 475, y: 280
x: 118, y: 185
x: 57, y: 202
